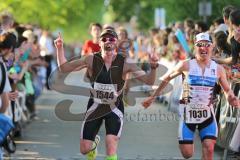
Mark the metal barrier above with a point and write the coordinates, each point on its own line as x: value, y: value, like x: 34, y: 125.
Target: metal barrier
x: 229, y: 125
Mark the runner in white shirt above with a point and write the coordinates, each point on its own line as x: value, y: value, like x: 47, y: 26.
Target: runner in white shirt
x: 196, y: 109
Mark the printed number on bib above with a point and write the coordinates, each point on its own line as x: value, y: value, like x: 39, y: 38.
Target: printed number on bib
x: 105, y: 93
x: 196, y: 113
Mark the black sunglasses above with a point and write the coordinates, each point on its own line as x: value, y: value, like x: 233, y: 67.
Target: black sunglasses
x: 110, y: 39
x: 203, y: 44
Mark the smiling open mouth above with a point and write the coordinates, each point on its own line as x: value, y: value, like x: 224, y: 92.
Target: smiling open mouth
x: 203, y: 53
x: 108, y: 46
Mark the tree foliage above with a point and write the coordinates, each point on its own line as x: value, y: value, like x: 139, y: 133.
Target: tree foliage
x: 71, y: 16
x: 74, y: 16
x: 176, y: 10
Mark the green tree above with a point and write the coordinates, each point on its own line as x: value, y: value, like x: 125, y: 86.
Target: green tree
x: 74, y: 16
x: 176, y: 10
x: 71, y: 16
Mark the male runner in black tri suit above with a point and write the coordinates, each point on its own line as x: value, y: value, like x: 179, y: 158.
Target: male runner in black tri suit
x: 107, y: 73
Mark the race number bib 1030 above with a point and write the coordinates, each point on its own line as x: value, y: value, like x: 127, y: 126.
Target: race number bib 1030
x: 105, y: 93
x: 196, y: 113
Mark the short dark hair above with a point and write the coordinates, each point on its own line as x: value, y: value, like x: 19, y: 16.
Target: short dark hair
x: 234, y: 17
x: 154, y: 30
x: 168, y: 30
x: 202, y: 25
x: 21, y: 39
x: 95, y: 24
x: 219, y: 20
x: 8, y: 40
x: 227, y: 10
x: 221, y: 41
x: 190, y: 23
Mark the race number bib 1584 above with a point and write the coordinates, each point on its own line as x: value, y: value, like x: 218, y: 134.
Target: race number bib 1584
x: 105, y: 93
x: 195, y: 113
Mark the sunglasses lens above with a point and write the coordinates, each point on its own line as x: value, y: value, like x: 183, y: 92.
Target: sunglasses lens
x: 198, y: 45
x: 104, y: 39
x: 111, y: 39
x: 203, y: 45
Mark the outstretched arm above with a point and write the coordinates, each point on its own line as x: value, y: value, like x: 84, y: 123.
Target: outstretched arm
x: 141, y: 75
x: 63, y: 65
x: 149, y: 78
x: 232, y: 99
x: 180, y: 67
x: 223, y: 60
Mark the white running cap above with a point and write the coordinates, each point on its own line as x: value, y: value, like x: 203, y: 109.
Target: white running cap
x: 203, y: 37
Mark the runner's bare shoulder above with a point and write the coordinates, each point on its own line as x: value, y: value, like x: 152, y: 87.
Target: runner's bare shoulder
x: 183, y: 65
